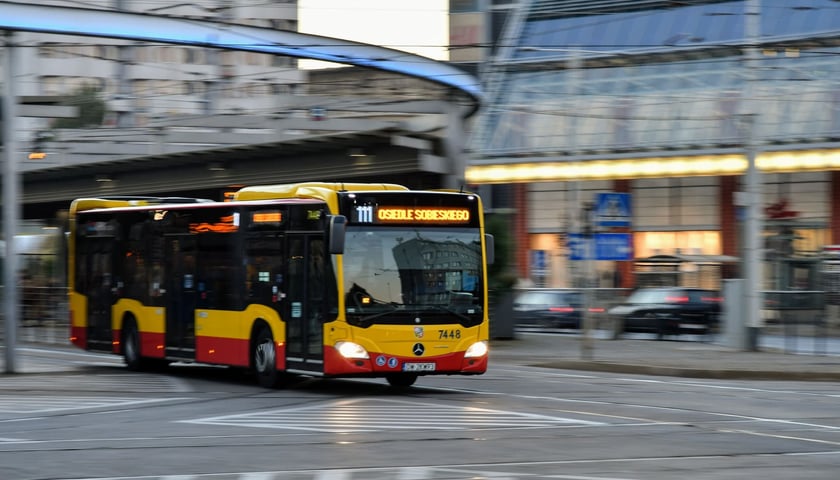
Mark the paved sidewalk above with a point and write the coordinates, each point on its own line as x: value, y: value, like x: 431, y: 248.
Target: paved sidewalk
x: 678, y: 358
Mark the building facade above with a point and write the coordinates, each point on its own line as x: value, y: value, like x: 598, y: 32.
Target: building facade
x: 668, y: 103
x: 143, y: 82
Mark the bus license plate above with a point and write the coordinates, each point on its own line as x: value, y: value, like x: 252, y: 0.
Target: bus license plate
x: 419, y: 367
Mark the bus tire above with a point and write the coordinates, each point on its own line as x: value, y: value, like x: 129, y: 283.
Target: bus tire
x: 401, y: 380
x: 264, y: 358
x: 131, y: 346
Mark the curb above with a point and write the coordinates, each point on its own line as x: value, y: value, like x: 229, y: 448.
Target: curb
x: 720, y: 374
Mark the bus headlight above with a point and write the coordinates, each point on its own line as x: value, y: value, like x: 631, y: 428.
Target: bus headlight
x: 478, y: 349
x: 351, y: 350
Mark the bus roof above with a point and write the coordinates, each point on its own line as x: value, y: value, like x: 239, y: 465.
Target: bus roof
x: 303, y: 192
x: 103, y: 205
x: 322, y: 190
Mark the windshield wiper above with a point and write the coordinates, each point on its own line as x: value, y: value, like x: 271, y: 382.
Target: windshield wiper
x: 364, y: 321
x: 408, y: 309
x: 453, y: 312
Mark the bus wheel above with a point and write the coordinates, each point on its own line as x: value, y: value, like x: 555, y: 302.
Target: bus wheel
x: 131, y: 347
x: 401, y: 380
x: 265, y: 359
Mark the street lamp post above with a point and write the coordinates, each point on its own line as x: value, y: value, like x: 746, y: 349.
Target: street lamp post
x: 751, y: 196
x: 11, y: 203
x: 587, y: 344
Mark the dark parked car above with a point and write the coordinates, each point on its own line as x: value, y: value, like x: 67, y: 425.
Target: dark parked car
x: 549, y: 308
x: 670, y: 310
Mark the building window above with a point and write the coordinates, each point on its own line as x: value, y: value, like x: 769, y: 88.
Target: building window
x: 648, y: 244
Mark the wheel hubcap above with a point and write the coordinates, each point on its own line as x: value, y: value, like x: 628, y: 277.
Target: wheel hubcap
x: 265, y: 356
x: 129, y: 347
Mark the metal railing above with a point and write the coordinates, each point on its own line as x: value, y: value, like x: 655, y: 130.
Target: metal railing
x: 44, y: 315
x: 801, y: 319
x: 794, y: 321
x: 800, y: 316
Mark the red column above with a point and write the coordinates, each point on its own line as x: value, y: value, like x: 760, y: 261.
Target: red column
x: 625, y: 268
x: 834, y: 215
x: 728, y: 223
x: 520, y: 229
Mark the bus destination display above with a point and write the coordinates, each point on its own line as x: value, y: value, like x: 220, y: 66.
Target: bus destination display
x: 400, y: 214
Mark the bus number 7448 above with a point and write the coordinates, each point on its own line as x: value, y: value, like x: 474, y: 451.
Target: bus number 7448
x: 453, y: 334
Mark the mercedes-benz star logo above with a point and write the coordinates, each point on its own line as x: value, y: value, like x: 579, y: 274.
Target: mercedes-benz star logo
x: 418, y: 349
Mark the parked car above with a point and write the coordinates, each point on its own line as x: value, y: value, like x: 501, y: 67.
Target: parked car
x: 670, y: 310
x: 549, y: 308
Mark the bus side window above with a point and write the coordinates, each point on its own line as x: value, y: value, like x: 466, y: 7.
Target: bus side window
x: 259, y: 278
x: 264, y: 272
x: 216, y: 272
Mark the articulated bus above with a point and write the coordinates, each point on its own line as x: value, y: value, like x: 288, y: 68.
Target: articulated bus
x: 315, y: 279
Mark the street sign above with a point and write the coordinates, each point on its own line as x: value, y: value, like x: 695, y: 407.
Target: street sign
x: 613, y: 246
x: 576, y: 244
x: 539, y: 262
x: 613, y: 209
x: 606, y: 246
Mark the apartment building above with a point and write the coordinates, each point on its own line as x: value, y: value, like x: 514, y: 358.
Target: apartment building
x: 144, y: 82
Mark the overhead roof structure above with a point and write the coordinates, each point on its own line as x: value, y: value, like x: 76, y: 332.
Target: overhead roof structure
x: 191, y: 32
x: 366, y: 156
x: 246, y: 163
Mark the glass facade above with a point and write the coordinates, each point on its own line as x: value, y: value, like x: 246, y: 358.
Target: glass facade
x: 652, y: 94
x: 666, y: 78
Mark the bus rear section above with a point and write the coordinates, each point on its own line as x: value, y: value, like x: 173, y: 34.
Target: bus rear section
x: 158, y: 282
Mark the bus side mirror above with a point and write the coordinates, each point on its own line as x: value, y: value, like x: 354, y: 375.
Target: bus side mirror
x: 490, y: 246
x: 338, y: 225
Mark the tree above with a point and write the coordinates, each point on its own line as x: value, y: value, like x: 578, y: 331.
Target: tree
x: 91, y: 108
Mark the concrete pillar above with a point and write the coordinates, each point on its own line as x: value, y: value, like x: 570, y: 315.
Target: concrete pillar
x: 453, y: 147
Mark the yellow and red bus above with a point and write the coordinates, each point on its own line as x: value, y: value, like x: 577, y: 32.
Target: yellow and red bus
x: 316, y: 279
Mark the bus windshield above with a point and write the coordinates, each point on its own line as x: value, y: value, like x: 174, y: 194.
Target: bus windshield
x: 393, y: 274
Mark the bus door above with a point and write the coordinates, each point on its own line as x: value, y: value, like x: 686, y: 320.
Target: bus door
x: 94, y: 277
x: 180, y: 295
x: 265, y: 269
x: 303, y: 308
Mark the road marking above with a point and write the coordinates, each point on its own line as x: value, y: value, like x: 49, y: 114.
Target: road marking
x: 363, y: 415
x: 107, y: 382
x: 73, y: 353
x: 29, y: 405
x: 494, y: 471
x: 783, y: 437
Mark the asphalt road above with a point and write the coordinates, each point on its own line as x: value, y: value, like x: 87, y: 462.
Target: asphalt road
x: 97, y: 420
